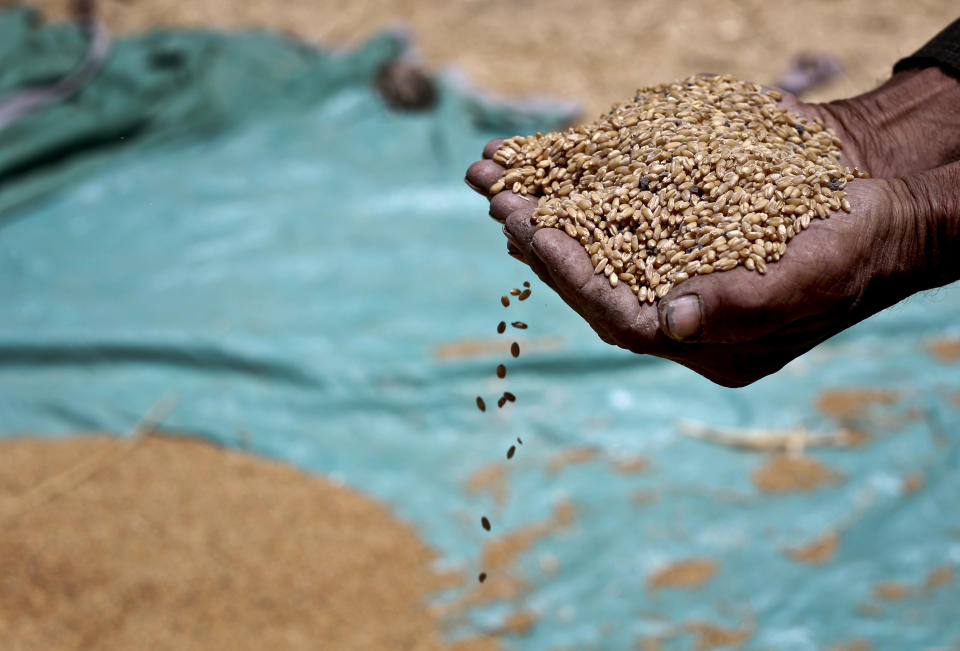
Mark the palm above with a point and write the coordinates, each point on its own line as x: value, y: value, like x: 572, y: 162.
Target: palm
x: 756, y: 323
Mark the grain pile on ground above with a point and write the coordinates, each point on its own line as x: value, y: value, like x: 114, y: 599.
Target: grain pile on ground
x: 182, y: 545
x: 702, y: 175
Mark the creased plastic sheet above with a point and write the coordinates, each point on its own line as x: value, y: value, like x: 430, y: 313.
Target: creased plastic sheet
x: 317, y: 285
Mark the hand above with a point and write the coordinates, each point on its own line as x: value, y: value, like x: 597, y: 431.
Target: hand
x: 738, y: 326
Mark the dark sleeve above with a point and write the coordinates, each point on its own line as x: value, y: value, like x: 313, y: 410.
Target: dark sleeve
x: 942, y: 50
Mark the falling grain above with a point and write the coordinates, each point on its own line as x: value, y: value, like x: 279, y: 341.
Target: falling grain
x: 481, y: 405
x: 511, y: 451
x: 520, y: 325
x: 501, y: 327
x: 505, y: 301
x: 524, y: 295
x: 485, y: 523
x: 515, y: 349
x: 501, y: 371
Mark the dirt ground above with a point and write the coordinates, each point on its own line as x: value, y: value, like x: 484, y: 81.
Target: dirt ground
x: 595, y: 52
x: 172, y: 543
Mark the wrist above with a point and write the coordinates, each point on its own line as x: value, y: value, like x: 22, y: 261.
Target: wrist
x: 910, y: 123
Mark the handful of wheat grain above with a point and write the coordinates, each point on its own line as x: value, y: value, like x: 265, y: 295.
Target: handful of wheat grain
x: 688, y: 178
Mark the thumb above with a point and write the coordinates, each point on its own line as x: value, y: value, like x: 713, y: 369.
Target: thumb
x: 734, y: 306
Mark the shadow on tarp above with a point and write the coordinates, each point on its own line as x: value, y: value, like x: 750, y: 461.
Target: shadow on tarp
x: 275, y: 248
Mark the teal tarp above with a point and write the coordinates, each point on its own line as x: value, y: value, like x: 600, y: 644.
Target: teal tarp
x: 246, y: 227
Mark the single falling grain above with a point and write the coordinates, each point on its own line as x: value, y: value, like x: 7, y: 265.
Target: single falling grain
x: 519, y: 325
x: 515, y: 349
x: 511, y: 451
x: 485, y: 523
x: 501, y: 402
x: 482, y: 577
x: 519, y: 440
x: 691, y: 178
x: 509, y: 396
x: 481, y: 405
x: 505, y: 301
x: 515, y: 291
x: 526, y: 283
x: 501, y: 327
x: 501, y: 371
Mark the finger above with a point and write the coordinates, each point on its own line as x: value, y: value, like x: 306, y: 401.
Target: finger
x: 737, y: 305
x: 520, y: 230
x: 491, y: 147
x: 507, y: 202
x: 514, y: 252
x: 482, y: 174
x: 822, y: 273
x: 613, y: 310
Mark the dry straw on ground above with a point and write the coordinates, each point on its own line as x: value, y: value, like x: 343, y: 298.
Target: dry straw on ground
x: 701, y: 175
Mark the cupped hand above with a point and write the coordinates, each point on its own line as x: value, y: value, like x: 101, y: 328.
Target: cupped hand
x: 737, y: 326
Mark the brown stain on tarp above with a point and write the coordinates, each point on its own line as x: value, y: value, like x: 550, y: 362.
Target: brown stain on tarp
x: 504, y: 551
x: 892, y: 590
x: 688, y: 573
x: 519, y: 623
x: 711, y: 636
x: 783, y: 473
x: 941, y: 576
x: 945, y: 349
x: 817, y: 552
x: 468, y: 348
x: 913, y: 482
x: 644, y: 497
x: 852, y: 645
x: 492, y: 479
x: 569, y: 457
x: 899, y: 590
x: 499, y: 559
x: 631, y: 465
x: 868, y: 609
x: 497, y: 587
x: 853, y: 438
x: 850, y: 403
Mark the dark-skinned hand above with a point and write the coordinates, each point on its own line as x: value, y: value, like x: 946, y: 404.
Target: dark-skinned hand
x: 737, y: 326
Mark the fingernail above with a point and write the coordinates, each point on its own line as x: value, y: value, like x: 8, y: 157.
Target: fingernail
x: 683, y: 318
